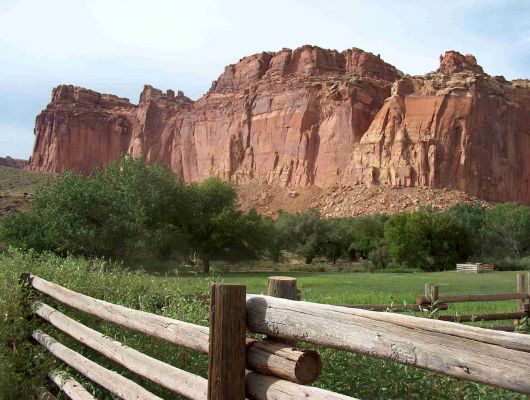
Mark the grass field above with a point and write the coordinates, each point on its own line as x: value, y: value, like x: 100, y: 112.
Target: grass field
x: 19, y: 181
x: 17, y: 186
x: 182, y: 297
x: 348, y: 288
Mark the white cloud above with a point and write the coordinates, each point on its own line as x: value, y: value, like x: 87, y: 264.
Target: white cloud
x: 118, y: 45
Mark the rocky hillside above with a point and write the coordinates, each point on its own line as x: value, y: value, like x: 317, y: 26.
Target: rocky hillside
x: 311, y: 117
x: 349, y: 200
x: 12, y: 162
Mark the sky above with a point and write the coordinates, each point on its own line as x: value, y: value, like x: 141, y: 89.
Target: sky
x: 117, y: 46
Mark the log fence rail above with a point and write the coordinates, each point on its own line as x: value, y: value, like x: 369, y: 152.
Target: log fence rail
x: 272, y: 368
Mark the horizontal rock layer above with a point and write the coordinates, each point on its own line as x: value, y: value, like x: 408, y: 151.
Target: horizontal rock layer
x: 310, y: 117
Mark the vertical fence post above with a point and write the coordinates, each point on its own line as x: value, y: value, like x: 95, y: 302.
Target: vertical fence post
x: 434, y: 294
x: 528, y: 294
x: 428, y: 291
x: 521, y: 289
x: 226, y: 356
x: 282, y: 286
x: 285, y: 288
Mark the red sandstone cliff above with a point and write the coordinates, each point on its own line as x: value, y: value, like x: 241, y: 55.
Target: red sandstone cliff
x: 310, y: 116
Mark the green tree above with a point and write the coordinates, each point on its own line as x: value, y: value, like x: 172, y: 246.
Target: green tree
x: 367, y: 234
x: 506, y: 231
x: 123, y: 210
x: 218, y: 229
x: 472, y: 217
x: 451, y: 241
x: 303, y: 233
x: 427, y: 239
x: 408, y: 238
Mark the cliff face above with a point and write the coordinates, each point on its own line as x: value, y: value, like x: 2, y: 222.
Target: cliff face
x: 310, y: 117
x: 457, y: 128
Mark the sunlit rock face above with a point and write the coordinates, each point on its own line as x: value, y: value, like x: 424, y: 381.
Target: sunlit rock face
x: 310, y: 116
x: 463, y: 130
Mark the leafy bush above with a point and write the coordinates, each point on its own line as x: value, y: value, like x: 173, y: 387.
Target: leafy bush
x: 380, y: 257
x: 125, y: 209
x: 130, y: 210
x: 427, y: 239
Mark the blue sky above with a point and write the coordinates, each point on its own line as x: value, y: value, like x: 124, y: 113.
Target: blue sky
x: 117, y: 46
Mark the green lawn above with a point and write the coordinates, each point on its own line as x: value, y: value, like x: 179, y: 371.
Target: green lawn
x: 347, y: 288
x: 178, y: 297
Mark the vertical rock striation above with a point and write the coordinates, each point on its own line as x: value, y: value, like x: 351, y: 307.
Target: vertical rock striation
x: 457, y: 128
x: 310, y: 116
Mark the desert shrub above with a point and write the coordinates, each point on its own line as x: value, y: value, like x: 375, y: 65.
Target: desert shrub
x: 380, y: 257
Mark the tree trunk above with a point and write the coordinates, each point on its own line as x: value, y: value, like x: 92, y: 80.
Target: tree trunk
x: 309, y: 259
x: 206, y: 265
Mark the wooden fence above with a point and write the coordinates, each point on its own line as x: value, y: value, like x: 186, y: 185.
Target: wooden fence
x: 240, y: 368
x: 433, y: 300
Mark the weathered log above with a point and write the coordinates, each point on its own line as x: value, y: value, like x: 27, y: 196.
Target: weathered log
x: 264, y: 351
x: 393, y: 307
x: 110, y: 380
x: 181, y: 333
x: 273, y: 358
x: 505, y: 328
x: 482, y: 317
x: 494, y: 358
x: 177, y: 380
x: 226, y: 355
x: 73, y: 389
x: 458, y: 298
x: 270, y: 388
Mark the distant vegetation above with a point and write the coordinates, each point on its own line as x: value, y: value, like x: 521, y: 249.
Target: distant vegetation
x: 130, y: 211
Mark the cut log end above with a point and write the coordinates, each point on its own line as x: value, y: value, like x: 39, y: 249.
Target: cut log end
x: 308, y: 367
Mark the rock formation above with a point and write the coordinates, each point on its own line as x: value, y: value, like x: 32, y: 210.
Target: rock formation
x: 12, y: 162
x: 310, y: 117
